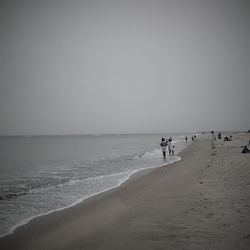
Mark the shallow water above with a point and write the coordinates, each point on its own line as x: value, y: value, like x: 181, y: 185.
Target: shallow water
x: 42, y: 174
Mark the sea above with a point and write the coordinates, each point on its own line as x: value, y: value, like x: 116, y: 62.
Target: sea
x: 42, y: 174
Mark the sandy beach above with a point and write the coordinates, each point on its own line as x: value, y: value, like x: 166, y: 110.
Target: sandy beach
x: 200, y: 202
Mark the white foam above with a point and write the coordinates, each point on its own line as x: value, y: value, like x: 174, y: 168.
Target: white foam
x: 126, y: 175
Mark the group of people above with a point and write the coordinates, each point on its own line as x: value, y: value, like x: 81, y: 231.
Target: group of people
x: 245, y: 149
x: 193, y: 138
x: 167, y: 143
x: 213, y: 138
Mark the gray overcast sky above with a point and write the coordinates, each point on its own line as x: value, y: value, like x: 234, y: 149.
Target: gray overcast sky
x: 124, y: 66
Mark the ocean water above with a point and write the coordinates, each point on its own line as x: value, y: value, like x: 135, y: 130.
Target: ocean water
x: 41, y: 174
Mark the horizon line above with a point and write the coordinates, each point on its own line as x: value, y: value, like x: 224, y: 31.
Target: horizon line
x: 132, y: 133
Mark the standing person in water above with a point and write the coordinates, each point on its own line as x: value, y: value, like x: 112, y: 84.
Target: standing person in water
x: 163, y: 147
x: 170, y: 147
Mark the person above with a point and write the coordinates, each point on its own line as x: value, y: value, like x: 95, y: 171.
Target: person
x: 228, y: 138
x: 213, y: 138
x: 170, y: 147
x: 219, y: 135
x: 245, y: 150
x: 163, y: 147
x: 186, y: 138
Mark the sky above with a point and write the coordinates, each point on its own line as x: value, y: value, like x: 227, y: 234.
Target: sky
x: 134, y: 66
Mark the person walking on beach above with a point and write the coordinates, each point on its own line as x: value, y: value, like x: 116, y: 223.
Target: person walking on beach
x: 170, y: 147
x: 213, y: 138
x: 186, y: 139
x: 163, y: 147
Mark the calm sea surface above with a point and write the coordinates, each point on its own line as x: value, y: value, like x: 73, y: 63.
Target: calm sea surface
x: 41, y: 174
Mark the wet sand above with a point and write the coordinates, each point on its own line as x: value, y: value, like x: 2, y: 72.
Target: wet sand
x: 200, y: 202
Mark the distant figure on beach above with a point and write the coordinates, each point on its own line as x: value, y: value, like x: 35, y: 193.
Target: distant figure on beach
x: 163, y: 147
x: 245, y: 150
x: 186, y: 139
x: 213, y: 138
x: 219, y: 135
x: 228, y: 139
x: 192, y: 138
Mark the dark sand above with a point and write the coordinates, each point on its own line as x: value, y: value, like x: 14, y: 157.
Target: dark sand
x: 200, y: 202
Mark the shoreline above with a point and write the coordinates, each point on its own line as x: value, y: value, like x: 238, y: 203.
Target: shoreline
x: 200, y: 202
x: 82, y: 200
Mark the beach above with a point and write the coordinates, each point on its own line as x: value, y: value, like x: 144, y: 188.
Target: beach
x: 200, y: 202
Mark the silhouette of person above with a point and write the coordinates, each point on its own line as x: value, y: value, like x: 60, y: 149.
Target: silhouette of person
x: 170, y: 147
x: 213, y: 138
x: 219, y: 136
x: 245, y: 150
x: 163, y: 147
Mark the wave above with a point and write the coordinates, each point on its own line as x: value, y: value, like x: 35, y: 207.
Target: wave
x: 12, y: 195
x: 57, y: 181
x: 121, y: 178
